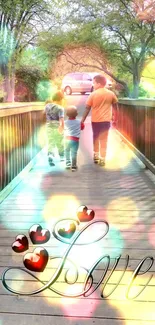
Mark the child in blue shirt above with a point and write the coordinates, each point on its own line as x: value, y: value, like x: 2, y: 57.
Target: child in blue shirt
x: 72, y: 129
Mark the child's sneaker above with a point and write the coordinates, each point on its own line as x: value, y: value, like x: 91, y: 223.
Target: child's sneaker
x: 74, y: 168
x: 62, y: 158
x: 68, y: 165
x: 50, y: 159
x: 102, y: 162
x: 96, y: 158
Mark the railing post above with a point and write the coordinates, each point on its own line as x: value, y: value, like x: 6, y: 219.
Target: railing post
x: 147, y: 137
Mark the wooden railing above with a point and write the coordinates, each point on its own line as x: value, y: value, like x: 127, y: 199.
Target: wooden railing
x: 137, y: 124
x: 19, y: 139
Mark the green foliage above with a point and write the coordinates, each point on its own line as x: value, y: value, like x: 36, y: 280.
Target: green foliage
x: 143, y: 92
x: 52, y: 44
x: 21, y: 22
x: 115, y: 26
x: 44, y: 90
x: 32, y: 72
x: 29, y: 77
x: 34, y: 57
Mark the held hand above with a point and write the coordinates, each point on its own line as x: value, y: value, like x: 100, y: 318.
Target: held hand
x: 114, y: 123
x: 60, y: 129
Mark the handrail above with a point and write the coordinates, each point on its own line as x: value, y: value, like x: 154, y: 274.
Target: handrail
x: 13, y: 109
x: 20, y: 129
x: 136, y: 123
x: 149, y: 102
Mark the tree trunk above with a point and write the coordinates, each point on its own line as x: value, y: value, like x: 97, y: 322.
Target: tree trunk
x: 126, y: 90
x: 135, y: 93
x: 136, y: 82
x: 8, y: 83
x: 11, y: 89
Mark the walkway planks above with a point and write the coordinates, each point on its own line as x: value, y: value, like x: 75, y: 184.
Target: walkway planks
x: 123, y: 194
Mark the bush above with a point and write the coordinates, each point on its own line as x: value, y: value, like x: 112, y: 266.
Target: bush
x: 143, y: 93
x: 27, y: 79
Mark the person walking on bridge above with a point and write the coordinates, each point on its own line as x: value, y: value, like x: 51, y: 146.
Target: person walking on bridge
x: 54, y: 112
x: 103, y: 105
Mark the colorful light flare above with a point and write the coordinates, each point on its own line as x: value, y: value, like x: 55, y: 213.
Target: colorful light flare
x: 27, y: 200
x: 147, y: 79
x: 7, y: 43
x: 118, y: 210
x: 86, y: 255
x: 60, y: 206
x: 133, y: 309
x: 41, y: 136
x: 116, y: 157
x: 45, y: 89
x: 68, y: 282
x: 79, y: 306
x: 8, y: 134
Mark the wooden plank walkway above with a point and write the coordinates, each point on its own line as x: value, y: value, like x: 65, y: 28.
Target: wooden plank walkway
x: 123, y: 194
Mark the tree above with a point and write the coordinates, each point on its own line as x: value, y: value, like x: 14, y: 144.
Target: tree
x: 32, y: 68
x: 145, y: 10
x: 127, y: 39
x: 78, y: 50
x: 20, y: 23
x: 27, y: 80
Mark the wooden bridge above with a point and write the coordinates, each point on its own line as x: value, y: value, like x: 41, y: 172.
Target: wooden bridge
x: 122, y: 194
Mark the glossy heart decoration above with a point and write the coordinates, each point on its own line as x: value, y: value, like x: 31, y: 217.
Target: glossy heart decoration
x: 90, y: 214
x: 39, y: 235
x: 37, y: 260
x: 67, y: 233
x: 20, y: 244
x: 81, y: 212
x: 84, y: 214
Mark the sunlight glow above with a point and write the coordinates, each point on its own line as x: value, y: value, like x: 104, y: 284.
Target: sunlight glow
x: 45, y: 89
x: 116, y: 157
x: 9, y: 133
x: 83, y: 256
x: 119, y: 209
x: 26, y: 200
x: 80, y: 306
x: 60, y: 206
x: 41, y: 135
x: 132, y: 309
x: 18, y: 282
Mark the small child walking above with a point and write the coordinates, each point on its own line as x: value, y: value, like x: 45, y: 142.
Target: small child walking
x: 72, y: 129
x: 54, y: 124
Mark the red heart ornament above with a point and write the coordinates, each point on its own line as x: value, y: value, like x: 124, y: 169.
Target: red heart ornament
x: 81, y: 212
x: 84, y: 214
x: 90, y: 214
x: 39, y: 235
x: 20, y: 244
x: 67, y: 233
x: 37, y: 260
